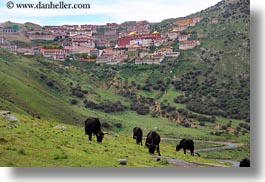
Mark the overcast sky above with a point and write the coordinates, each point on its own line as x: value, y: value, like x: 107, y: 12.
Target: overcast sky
x: 103, y: 11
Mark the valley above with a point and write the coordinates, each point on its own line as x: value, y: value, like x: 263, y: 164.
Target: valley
x: 203, y: 94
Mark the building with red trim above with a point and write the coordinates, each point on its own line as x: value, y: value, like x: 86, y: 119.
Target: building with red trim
x: 188, y: 44
x: 83, y: 40
x: 124, y: 42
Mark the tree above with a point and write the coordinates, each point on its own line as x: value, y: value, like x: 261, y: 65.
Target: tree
x: 73, y: 101
x: 93, y: 56
x: 50, y: 83
x: 83, y: 55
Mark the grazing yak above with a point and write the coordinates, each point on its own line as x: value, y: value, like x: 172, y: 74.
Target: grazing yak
x: 138, y: 135
x: 244, y: 163
x: 152, y: 142
x: 186, y: 144
x: 92, y: 126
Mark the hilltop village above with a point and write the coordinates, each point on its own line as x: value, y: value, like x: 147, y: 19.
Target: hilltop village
x: 111, y: 44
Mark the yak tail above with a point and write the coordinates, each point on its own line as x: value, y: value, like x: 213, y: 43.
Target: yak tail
x: 197, y: 154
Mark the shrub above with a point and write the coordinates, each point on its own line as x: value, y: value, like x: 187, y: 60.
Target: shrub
x: 78, y: 93
x: 140, y: 108
x: 50, y: 83
x: 185, y: 124
x: 107, y: 107
x: 223, y: 127
x: 43, y: 77
x: 93, y: 56
x: 60, y: 156
x: 154, y: 114
x: 159, y: 82
x: 85, y: 91
x: 22, y: 152
x: 73, y: 101
x: 118, y: 125
x: 105, y: 125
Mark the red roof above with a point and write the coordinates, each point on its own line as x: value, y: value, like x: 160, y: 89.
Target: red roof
x: 122, y: 42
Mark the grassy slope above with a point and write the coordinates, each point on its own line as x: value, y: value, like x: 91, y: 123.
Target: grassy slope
x: 33, y: 142
x: 235, y: 60
x: 22, y: 91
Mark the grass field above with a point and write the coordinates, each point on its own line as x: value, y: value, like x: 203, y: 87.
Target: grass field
x: 23, y: 91
x: 36, y: 143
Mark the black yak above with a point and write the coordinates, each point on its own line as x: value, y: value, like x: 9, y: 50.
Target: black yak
x: 152, y: 142
x: 92, y: 126
x: 186, y: 144
x: 244, y: 163
x: 138, y: 135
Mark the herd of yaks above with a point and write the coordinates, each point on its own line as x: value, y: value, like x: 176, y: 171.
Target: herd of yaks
x: 93, y: 126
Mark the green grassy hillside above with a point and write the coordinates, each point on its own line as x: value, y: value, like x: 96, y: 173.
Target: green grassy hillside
x: 214, y: 78
x: 35, y: 142
x: 22, y: 90
x: 24, y: 83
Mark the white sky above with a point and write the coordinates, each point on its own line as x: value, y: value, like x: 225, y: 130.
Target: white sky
x: 105, y: 11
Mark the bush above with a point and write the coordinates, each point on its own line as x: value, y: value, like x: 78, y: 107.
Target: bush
x: 105, y: 125
x: 183, y: 112
x: 146, y: 88
x: 224, y: 127
x: 83, y: 55
x: 140, y: 108
x: 60, y: 156
x: 118, y: 125
x: 185, y: 124
x: 22, y: 152
x: 93, y: 56
x: 73, y: 101
x: 78, y: 93
x: 154, y: 114
x: 43, y: 77
x: 159, y: 82
x: 50, y: 83
x: 238, y: 128
x: 85, y: 91
x: 107, y: 107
